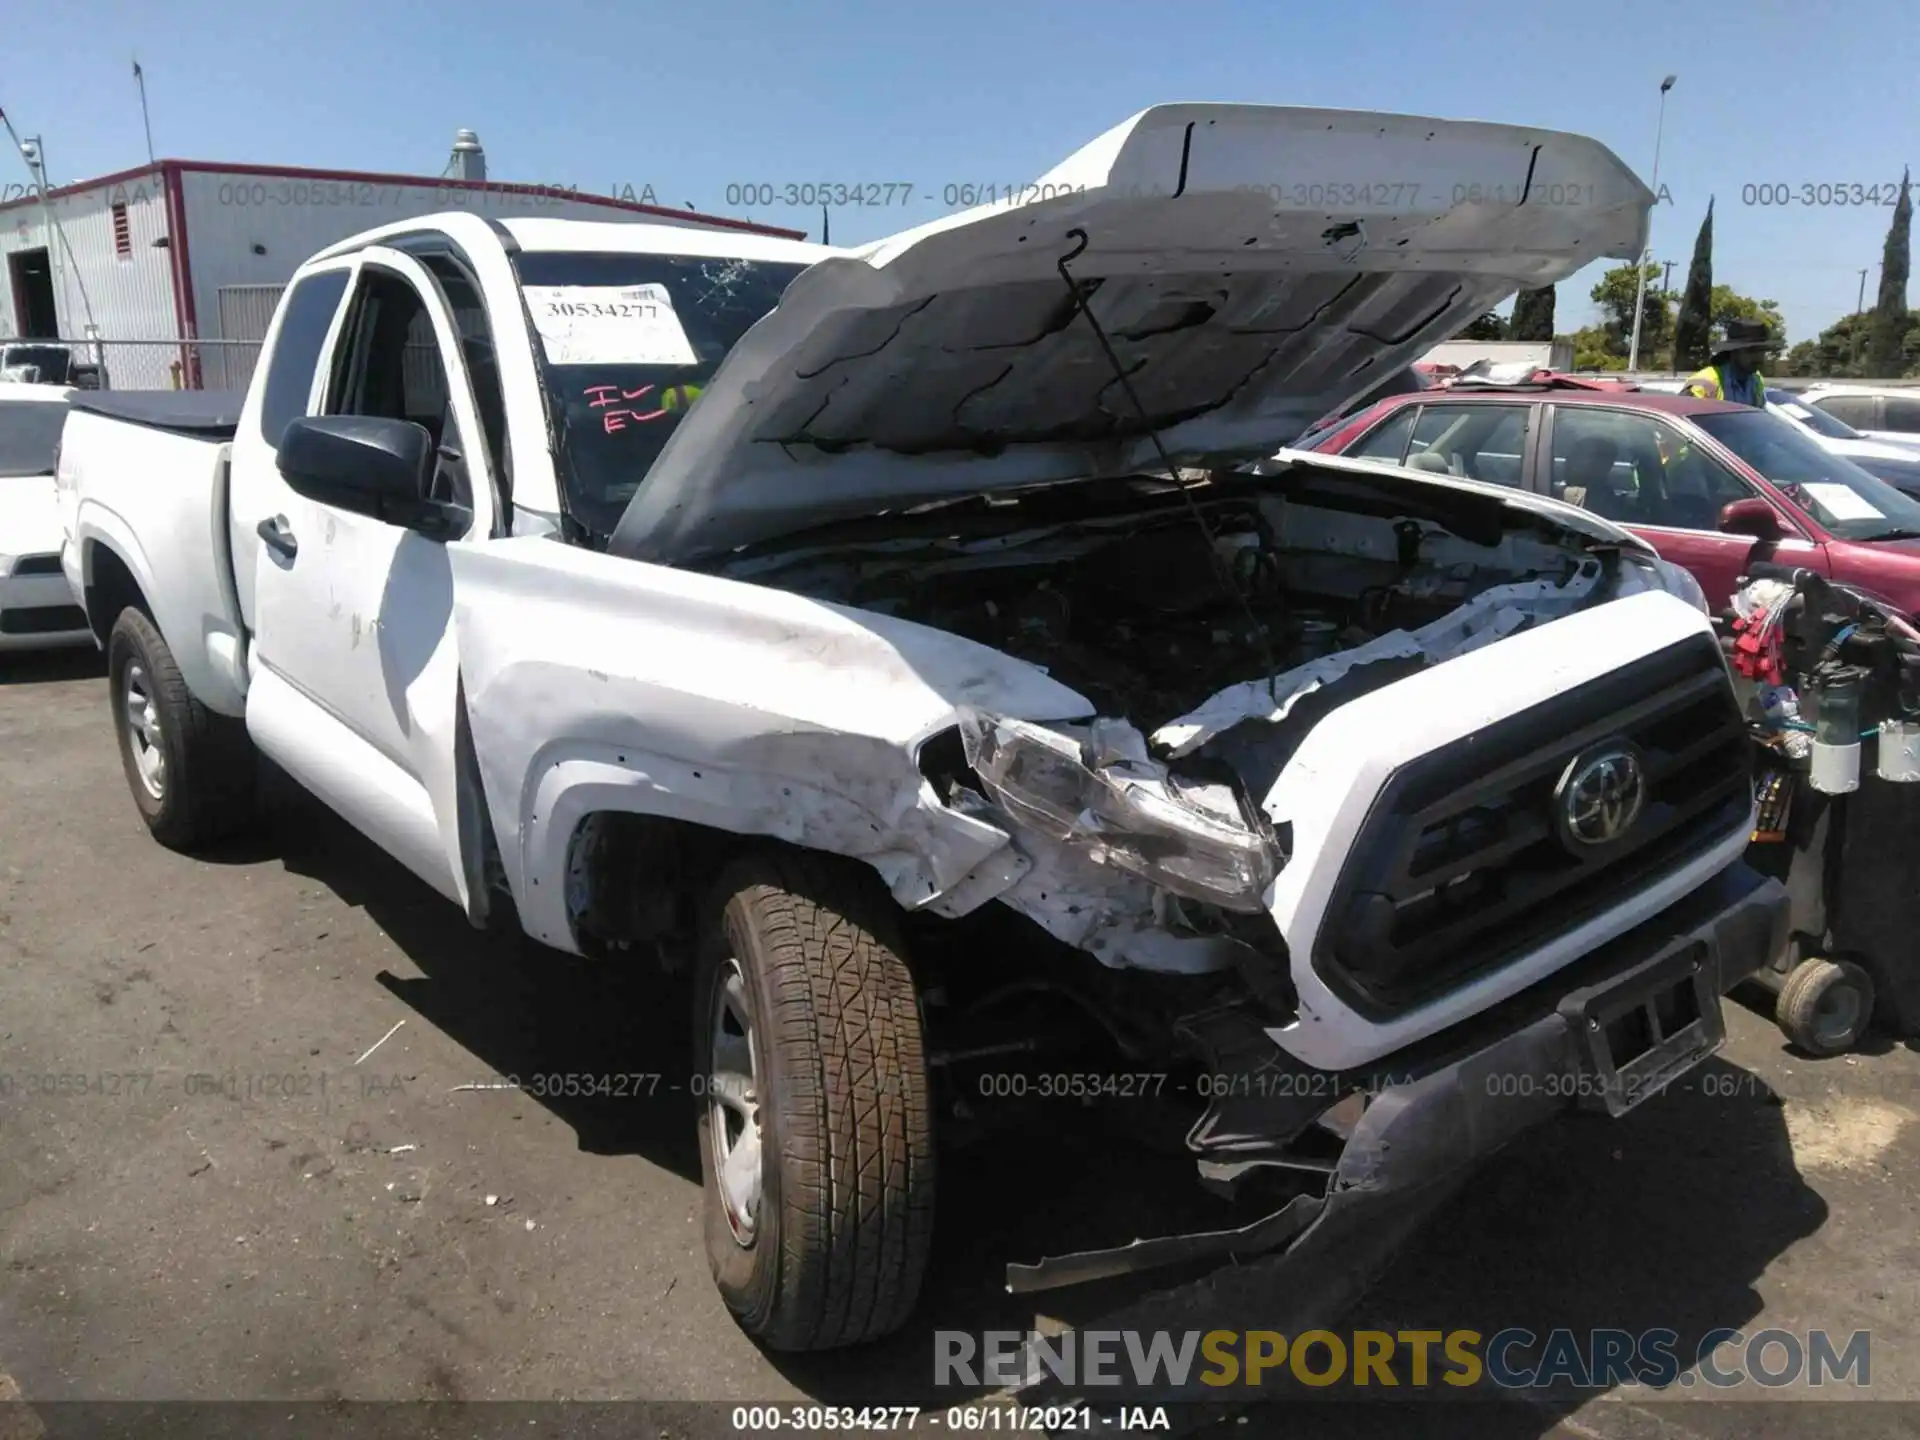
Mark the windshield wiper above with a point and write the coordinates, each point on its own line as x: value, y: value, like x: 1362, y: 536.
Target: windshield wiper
x: 1894, y: 534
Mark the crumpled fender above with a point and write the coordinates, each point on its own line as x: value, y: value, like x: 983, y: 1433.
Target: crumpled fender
x: 597, y: 683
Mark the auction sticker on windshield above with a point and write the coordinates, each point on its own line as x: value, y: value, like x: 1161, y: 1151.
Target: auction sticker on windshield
x: 609, y: 325
x: 1841, y: 502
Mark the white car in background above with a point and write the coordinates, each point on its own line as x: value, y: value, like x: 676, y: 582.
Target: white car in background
x: 1877, y: 412
x: 36, y: 606
x: 1896, y: 462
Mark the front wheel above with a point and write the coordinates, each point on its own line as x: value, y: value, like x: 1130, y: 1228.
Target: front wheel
x: 191, y: 771
x: 815, y: 1119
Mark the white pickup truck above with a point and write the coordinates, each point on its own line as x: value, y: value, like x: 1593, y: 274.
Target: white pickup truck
x: 962, y: 676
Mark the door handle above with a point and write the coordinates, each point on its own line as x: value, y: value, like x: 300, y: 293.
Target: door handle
x: 278, y: 537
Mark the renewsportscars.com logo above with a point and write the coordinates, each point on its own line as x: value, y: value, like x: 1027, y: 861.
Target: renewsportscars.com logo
x: 1509, y: 1359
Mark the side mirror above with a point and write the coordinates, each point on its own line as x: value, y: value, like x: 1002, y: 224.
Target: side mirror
x: 364, y: 463
x: 1752, y: 516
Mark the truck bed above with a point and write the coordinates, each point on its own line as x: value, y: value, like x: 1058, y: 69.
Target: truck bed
x: 144, y: 476
x: 203, y: 414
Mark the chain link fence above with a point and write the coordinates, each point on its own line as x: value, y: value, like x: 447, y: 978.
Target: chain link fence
x: 141, y: 364
x: 178, y: 365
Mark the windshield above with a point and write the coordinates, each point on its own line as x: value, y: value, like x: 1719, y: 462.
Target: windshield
x: 30, y: 435
x: 1834, y: 490
x: 1814, y: 418
x: 629, y: 342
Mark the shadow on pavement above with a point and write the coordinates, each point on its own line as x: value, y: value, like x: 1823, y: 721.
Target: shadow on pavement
x: 1664, y: 1219
x: 520, y: 1008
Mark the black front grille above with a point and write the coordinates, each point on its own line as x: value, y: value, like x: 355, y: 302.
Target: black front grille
x: 37, y: 565
x: 42, y: 619
x: 1460, y: 868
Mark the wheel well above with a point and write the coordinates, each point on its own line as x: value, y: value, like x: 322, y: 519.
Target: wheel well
x: 636, y: 879
x: 111, y: 590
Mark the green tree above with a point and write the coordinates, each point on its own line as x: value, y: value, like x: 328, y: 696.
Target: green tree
x: 1603, y: 346
x: 1487, y: 327
x: 1692, y: 329
x: 1840, y: 350
x: 1614, y: 295
x: 1802, y: 359
x: 1886, y: 335
x: 1843, y: 346
x: 1532, y: 315
x: 1594, y: 348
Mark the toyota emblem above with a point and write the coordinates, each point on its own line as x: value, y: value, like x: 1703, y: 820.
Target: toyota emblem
x: 1600, y: 795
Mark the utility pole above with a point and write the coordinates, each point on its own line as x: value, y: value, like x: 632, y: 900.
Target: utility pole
x: 140, y: 79
x: 1640, y: 280
x: 1666, y: 278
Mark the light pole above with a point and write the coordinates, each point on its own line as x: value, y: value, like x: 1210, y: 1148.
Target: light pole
x: 1640, y: 264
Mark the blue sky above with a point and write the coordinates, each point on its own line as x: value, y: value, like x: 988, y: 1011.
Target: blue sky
x: 690, y: 98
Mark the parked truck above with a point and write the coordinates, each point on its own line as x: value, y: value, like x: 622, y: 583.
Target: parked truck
x: 921, y: 645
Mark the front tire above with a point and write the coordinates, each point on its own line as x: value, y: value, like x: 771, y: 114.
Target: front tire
x: 816, y: 1126
x: 191, y: 771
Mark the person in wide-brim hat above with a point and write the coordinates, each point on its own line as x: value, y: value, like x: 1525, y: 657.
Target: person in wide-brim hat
x: 1734, y: 372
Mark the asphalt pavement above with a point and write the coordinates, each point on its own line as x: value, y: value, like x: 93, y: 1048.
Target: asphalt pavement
x: 254, y: 1146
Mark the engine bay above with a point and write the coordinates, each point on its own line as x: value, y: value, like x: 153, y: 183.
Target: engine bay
x: 1143, y: 625
x: 1148, y: 615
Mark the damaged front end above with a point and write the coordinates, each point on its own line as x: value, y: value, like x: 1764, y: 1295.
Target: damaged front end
x: 1154, y: 831
x: 1376, y: 1152
x: 1096, y: 787
x: 1152, y: 835
x: 1199, y: 832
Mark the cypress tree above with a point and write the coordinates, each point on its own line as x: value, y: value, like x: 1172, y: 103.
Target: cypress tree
x: 1693, y: 328
x: 1532, y: 315
x: 1888, y: 327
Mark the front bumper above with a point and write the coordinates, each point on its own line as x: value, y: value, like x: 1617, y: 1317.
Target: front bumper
x: 1447, y: 1106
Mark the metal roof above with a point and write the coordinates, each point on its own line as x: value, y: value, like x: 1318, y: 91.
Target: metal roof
x: 375, y: 177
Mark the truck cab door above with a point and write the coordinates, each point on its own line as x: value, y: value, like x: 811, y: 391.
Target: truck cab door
x: 288, y: 383
x: 355, y: 674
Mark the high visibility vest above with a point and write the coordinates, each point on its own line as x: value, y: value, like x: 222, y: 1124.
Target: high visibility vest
x: 1707, y: 385
x: 679, y: 397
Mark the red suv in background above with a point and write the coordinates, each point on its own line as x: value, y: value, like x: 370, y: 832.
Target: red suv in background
x: 1712, y: 486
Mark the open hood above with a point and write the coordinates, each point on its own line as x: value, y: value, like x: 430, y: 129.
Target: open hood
x: 1253, y: 266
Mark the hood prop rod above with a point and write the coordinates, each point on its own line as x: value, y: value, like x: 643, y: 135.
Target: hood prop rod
x: 1229, y: 582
